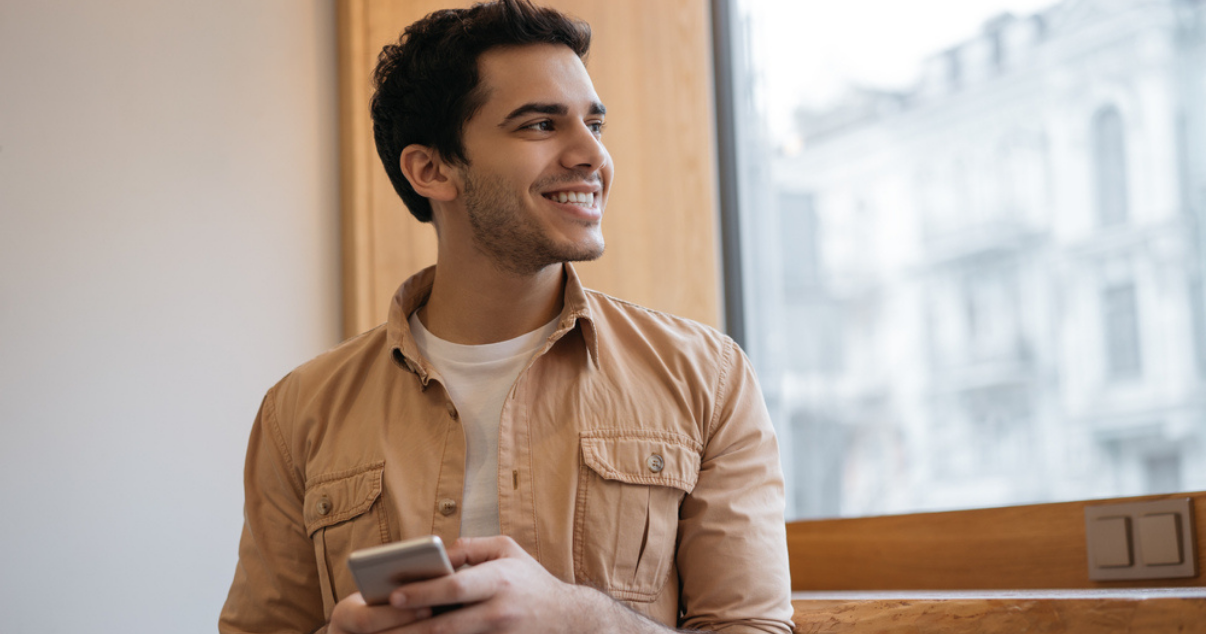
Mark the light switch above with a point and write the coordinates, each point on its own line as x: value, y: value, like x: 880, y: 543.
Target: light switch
x: 1160, y: 539
x: 1110, y: 542
x: 1141, y: 540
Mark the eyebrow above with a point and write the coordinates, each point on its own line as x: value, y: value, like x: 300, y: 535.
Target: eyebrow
x: 555, y: 109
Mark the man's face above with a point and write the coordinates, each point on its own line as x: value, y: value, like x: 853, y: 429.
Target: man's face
x: 533, y: 147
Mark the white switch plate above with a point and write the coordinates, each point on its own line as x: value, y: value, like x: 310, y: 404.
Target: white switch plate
x: 1141, y: 540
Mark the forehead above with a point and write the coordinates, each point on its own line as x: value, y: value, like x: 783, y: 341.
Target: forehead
x: 543, y: 73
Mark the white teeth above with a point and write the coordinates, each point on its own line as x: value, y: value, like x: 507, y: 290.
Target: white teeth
x: 579, y: 198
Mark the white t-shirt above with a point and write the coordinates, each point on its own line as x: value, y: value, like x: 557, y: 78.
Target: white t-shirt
x: 478, y: 379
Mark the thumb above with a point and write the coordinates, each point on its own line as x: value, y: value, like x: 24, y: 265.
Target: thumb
x: 477, y: 550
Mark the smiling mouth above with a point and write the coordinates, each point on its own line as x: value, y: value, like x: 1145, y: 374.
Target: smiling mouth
x: 581, y: 199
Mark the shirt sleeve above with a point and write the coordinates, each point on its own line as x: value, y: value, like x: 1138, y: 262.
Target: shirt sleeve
x: 276, y: 586
x: 732, y: 554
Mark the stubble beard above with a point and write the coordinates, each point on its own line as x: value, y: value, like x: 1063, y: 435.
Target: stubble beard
x: 509, y: 236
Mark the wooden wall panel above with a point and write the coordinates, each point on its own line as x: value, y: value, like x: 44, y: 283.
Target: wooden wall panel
x: 651, y: 65
x: 1021, y: 547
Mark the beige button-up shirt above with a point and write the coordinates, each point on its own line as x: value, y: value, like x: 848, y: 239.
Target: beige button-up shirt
x: 635, y: 455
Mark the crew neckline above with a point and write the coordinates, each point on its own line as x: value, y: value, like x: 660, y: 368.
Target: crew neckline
x: 433, y: 346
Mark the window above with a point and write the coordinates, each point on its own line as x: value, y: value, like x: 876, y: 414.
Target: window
x: 1197, y: 308
x: 937, y: 318
x: 1122, y: 332
x: 800, y: 243
x: 1109, y: 163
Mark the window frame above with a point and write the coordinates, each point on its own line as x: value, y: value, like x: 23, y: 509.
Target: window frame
x: 1024, y: 547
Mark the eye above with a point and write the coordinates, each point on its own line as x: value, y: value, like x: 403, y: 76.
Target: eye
x: 544, y: 125
x: 596, y: 127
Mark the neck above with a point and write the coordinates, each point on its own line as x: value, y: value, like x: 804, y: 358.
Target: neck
x: 475, y: 305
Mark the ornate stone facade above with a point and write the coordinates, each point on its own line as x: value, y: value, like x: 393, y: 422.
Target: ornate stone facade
x: 988, y: 290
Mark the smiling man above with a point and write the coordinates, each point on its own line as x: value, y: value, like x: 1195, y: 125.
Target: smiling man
x: 597, y: 466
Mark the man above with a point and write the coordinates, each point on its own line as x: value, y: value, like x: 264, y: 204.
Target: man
x: 609, y: 468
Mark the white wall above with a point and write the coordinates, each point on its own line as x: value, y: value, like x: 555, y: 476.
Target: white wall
x: 168, y: 250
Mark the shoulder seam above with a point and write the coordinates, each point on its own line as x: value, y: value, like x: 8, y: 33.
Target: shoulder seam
x: 646, y: 309
x: 722, y: 386
x: 278, y: 438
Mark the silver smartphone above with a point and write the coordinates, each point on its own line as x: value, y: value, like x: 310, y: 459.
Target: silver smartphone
x: 381, y: 569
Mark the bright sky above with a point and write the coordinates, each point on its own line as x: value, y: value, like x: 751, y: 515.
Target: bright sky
x: 809, y: 50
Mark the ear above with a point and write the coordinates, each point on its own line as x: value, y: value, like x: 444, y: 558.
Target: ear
x: 429, y: 174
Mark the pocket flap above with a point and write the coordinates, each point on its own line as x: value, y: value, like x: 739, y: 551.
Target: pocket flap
x: 643, y: 457
x: 340, y: 496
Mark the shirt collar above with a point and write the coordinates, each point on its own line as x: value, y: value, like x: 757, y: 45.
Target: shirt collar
x: 414, y: 293
x: 577, y: 308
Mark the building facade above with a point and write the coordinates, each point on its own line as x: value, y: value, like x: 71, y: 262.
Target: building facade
x: 988, y: 290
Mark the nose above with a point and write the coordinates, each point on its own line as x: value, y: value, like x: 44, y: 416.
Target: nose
x: 584, y: 150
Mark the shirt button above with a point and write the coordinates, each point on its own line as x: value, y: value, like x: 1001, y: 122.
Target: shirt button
x: 447, y: 506
x: 655, y: 463
x: 451, y: 410
x: 324, y: 506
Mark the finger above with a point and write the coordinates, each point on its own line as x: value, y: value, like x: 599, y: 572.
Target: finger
x: 378, y: 619
x: 470, y: 585
x: 471, y: 619
x: 353, y: 616
x: 476, y: 550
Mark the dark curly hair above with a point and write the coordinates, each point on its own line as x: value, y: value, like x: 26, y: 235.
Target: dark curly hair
x: 428, y: 85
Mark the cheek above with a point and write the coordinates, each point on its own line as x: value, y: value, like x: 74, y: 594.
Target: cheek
x: 609, y: 173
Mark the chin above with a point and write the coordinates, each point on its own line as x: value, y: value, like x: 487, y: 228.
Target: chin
x: 590, y: 255
x: 582, y: 252
x: 586, y: 249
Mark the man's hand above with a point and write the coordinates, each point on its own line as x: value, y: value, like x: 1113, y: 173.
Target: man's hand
x: 352, y: 616
x: 506, y: 590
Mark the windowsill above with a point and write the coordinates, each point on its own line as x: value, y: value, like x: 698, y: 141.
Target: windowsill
x: 1090, y: 611
x: 946, y: 595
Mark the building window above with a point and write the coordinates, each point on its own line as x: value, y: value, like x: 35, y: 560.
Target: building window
x: 799, y: 242
x: 1123, y: 360
x: 1109, y: 163
x: 1197, y: 313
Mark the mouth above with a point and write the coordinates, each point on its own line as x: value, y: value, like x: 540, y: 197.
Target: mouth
x: 585, y: 200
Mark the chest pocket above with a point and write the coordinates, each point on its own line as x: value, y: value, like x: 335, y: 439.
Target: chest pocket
x: 630, y: 485
x: 342, y: 514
